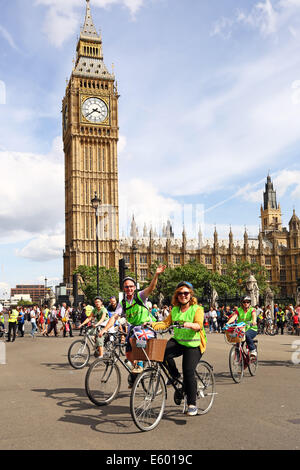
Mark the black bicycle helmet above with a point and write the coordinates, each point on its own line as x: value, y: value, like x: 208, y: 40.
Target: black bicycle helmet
x: 128, y: 278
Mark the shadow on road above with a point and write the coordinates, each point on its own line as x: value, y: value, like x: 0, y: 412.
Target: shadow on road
x: 277, y: 364
x: 111, y: 419
x: 56, y: 365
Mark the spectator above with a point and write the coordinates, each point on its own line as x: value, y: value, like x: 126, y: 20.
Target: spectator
x: 21, y: 321
x: 212, y: 320
x: 280, y: 320
x: 154, y: 311
x: 67, y: 327
x: 296, y: 324
x: 12, y: 323
x: 33, y: 318
x: 53, y: 321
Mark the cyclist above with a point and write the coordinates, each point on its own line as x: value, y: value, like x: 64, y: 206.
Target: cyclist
x: 99, y: 314
x: 188, y: 342
x: 247, y: 314
x: 133, y: 307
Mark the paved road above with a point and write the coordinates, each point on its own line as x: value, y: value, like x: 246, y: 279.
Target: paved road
x: 43, y: 401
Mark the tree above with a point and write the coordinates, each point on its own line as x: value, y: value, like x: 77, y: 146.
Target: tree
x: 108, y: 282
x: 234, y: 281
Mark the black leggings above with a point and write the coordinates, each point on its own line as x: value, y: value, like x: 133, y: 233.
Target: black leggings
x: 190, y: 359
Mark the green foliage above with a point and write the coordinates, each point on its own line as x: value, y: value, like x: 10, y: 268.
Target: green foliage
x: 108, y: 282
x: 24, y: 303
x: 234, y: 281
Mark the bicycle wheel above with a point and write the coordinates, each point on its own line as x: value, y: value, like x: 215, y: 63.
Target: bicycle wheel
x: 79, y: 354
x: 253, y: 364
x: 205, y: 387
x: 148, y: 398
x: 102, y: 381
x: 271, y: 330
x: 236, y: 364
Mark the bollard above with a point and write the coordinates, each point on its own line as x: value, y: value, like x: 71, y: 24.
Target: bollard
x: 2, y: 352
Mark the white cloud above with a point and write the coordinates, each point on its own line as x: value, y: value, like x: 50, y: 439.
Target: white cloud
x: 269, y: 17
x: 285, y: 181
x: 142, y: 199
x: 43, y: 248
x: 31, y: 195
x: 8, y: 37
x: 63, y: 18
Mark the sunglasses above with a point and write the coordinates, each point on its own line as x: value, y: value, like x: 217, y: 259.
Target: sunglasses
x: 245, y: 302
x: 129, y: 287
x: 186, y: 293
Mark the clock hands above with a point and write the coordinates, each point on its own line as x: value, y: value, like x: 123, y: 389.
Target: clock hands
x: 92, y: 112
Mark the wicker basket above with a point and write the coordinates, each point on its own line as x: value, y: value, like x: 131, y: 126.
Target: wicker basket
x: 233, y: 337
x: 155, y: 350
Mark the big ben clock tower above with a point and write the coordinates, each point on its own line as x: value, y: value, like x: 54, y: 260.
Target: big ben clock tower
x: 90, y: 136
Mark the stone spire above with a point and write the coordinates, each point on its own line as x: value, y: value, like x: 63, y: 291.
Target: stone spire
x: 270, y: 195
x: 134, y: 232
x: 89, y: 61
x: 88, y: 30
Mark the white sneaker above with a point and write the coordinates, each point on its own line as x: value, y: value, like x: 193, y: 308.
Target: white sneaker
x: 192, y: 411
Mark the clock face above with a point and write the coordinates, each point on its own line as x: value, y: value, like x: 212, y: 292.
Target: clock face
x: 94, y: 110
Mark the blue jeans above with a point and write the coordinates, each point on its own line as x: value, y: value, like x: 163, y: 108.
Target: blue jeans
x: 250, y: 335
x: 33, y: 328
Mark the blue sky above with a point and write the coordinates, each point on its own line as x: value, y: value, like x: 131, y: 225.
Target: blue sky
x: 210, y: 102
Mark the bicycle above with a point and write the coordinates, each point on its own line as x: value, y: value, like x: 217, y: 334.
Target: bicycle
x: 103, y: 377
x: 149, y: 392
x: 79, y: 352
x: 270, y: 328
x: 239, y: 354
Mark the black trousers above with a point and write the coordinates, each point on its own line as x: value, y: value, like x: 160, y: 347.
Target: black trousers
x: 52, y: 326
x: 12, y: 329
x: 190, y: 359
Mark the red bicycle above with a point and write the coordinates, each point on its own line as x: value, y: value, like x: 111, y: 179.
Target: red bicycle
x: 239, y: 354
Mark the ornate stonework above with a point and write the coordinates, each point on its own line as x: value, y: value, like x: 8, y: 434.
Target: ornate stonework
x: 90, y: 136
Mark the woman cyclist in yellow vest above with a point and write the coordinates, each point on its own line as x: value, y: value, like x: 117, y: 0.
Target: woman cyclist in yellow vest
x: 190, y: 342
x: 247, y: 314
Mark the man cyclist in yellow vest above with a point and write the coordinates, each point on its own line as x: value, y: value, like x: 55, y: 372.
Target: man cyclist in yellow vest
x: 133, y: 307
x: 12, y: 323
x: 247, y: 314
x: 188, y: 342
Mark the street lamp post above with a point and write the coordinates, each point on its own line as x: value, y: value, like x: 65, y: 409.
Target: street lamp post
x: 96, y: 205
x: 135, y: 250
x: 45, y: 296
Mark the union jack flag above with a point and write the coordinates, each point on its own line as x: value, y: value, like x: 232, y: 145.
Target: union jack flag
x: 143, y: 333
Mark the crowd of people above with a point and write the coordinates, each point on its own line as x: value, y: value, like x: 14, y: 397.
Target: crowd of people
x: 62, y: 320
x: 48, y: 322
x: 283, y: 318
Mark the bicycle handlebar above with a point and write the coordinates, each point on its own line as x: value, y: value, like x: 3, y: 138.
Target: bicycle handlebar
x: 171, y: 327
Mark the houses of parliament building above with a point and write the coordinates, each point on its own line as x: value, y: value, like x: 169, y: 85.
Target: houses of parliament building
x: 90, y: 137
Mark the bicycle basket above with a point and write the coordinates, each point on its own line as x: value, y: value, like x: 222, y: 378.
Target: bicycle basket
x: 235, y: 334
x: 155, y: 350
